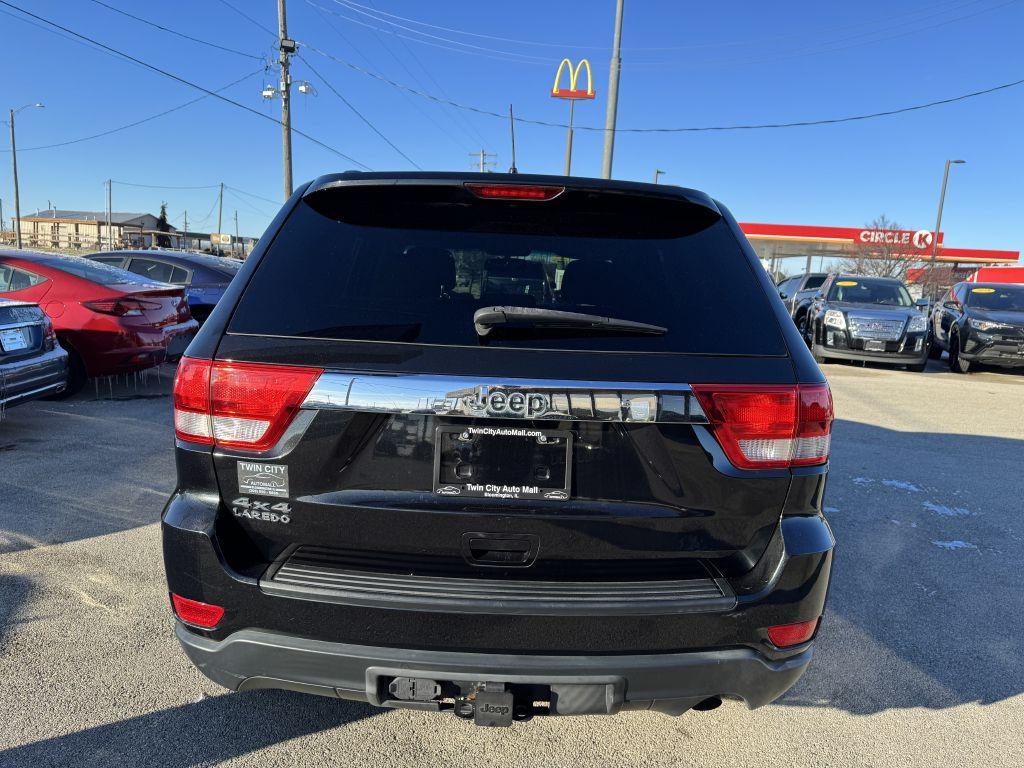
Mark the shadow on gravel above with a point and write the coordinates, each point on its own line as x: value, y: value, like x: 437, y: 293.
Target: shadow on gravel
x: 15, y: 591
x: 97, y: 463
x: 923, y: 605
x: 204, y: 733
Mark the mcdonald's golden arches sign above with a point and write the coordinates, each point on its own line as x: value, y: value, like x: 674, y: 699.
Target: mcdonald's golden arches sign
x: 573, y: 91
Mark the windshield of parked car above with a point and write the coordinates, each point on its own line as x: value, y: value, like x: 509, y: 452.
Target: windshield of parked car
x: 859, y: 291
x: 1004, y: 298
x: 333, y: 274
x: 94, y: 271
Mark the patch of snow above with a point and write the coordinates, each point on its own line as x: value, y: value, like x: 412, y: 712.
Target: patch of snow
x: 902, y: 485
x: 830, y: 510
x: 955, y: 544
x: 942, y: 509
x: 862, y: 481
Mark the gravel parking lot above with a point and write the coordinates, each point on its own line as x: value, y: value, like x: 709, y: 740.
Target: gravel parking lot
x: 918, y: 664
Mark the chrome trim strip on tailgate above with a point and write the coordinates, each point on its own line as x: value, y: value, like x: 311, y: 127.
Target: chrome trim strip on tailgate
x: 507, y: 398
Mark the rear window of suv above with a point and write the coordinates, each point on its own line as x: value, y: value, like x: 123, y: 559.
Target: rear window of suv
x: 413, y: 265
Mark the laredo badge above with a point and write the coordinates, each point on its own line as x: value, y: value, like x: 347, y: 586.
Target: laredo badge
x: 263, y: 479
x: 262, y: 510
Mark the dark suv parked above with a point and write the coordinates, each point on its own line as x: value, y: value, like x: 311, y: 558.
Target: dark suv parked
x: 980, y: 323
x: 868, y: 318
x: 797, y: 293
x: 589, y: 497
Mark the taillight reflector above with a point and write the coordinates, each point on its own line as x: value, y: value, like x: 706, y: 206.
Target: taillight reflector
x: 196, y: 613
x: 786, y: 635
x: 769, y: 426
x: 238, y: 405
x: 514, y: 191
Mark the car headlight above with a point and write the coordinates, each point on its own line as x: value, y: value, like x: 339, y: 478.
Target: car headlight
x: 835, y: 319
x: 988, y: 325
x: 917, y: 324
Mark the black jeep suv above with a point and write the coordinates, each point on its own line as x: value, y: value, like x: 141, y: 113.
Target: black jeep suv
x: 482, y: 443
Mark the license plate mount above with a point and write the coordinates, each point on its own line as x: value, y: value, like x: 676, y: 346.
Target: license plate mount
x: 13, y: 340
x: 874, y: 346
x: 503, y: 462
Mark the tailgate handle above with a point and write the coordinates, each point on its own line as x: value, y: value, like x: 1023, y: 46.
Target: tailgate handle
x: 517, y: 550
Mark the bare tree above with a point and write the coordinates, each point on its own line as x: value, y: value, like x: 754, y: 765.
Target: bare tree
x: 878, y: 259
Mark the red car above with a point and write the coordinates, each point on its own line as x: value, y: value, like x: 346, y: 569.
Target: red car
x: 110, y: 321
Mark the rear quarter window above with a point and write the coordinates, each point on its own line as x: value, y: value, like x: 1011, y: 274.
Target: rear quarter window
x: 332, y: 275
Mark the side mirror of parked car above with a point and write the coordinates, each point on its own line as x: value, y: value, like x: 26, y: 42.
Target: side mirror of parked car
x: 819, y: 296
x: 922, y: 303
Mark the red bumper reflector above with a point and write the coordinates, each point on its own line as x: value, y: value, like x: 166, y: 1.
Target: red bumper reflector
x: 196, y: 613
x: 515, y: 191
x: 786, y: 635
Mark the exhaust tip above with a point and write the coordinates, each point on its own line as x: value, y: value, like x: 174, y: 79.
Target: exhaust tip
x: 713, y: 702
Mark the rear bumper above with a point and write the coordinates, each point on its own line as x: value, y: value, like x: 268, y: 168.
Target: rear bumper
x: 668, y: 661
x: 136, y: 349
x: 32, y: 378
x: 670, y: 683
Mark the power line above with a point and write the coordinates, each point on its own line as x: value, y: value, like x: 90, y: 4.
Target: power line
x: 683, y: 129
x: 244, y: 15
x: 250, y: 194
x: 478, y: 50
x: 135, y: 123
x: 178, y: 34
x: 162, y: 186
x: 830, y: 46
x: 465, y: 120
x: 183, y: 81
x: 349, y: 44
x: 359, y: 114
x: 731, y: 43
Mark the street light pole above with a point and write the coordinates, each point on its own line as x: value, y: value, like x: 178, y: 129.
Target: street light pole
x: 14, y: 168
x: 658, y: 173
x: 613, y: 96
x: 938, y: 227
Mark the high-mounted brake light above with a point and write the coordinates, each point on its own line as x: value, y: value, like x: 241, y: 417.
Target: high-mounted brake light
x: 238, y: 405
x: 194, y: 612
x: 787, y: 635
x: 765, y: 427
x: 514, y: 191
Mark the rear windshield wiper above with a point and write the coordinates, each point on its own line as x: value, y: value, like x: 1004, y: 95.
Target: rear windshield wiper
x: 487, y: 318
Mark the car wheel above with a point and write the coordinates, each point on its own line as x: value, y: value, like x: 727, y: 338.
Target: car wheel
x: 956, y: 363
x: 801, y: 324
x: 76, y: 375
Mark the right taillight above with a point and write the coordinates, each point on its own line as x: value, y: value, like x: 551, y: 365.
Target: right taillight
x: 238, y: 405
x: 769, y: 426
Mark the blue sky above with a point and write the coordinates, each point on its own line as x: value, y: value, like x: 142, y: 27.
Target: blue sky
x: 684, y: 64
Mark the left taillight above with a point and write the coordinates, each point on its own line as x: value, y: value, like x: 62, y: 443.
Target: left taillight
x: 121, y: 307
x: 769, y: 426
x: 238, y: 405
x: 203, y: 615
